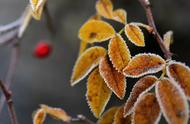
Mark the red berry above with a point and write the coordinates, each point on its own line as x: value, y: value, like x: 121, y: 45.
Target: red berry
x: 42, y: 49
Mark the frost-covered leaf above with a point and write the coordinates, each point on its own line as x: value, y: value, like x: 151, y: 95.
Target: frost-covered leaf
x: 57, y: 113
x: 83, y: 47
x: 120, y: 119
x: 96, y: 31
x: 39, y: 116
x: 135, y: 35
x: 98, y: 94
x: 147, y: 110
x: 168, y: 39
x: 180, y: 73
x: 120, y: 15
x: 143, y: 64
x: 37, y: 8
x: 114, y: 80
x: 142, y: 86
x: 108, y: 116
x: 118, y: 52
x: 147, y: 27
x: 86, y: 62
x: 104, y: 8
x: 172, y: 102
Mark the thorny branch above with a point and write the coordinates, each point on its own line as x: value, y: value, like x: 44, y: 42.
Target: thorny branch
x: 8, y: 97
x: 147, y: 7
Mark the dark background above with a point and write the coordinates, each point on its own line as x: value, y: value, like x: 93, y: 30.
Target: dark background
x: 47, y: 81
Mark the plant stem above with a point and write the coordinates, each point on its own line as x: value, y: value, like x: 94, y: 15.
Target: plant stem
x: 8, y: 97
x: 147, y: 7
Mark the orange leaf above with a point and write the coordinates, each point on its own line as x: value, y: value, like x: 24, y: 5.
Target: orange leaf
x: 56, y: 113
x: 114, y: 80
x: 120, y: 15
x: 142, y: 86
x: 86, y: 62
x: 39, y: 116
x: 135, y: 35
x: 147, y: 27
x: 181, y: 74
x: 83, y: 47
x: 147, y: 110
x: 96, y: 31
x: 143, y: 64
x: 104, y: 8
x: 98, y: 94
x: 172, y: 102
x: 119, y: 119
x: 108, y: 116
x: 118, y: 52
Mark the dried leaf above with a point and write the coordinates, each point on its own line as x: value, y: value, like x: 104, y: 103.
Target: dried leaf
x: 98, y: 94
x: 118, y: 52
x: 172, y: 102
x: 120, y: 15
x: 181, y: 74
x: 39, y: 116
x: 119, y: 119
x: 57, y: 113
x: 86, y: 62
x: 108, y: 116
x: 135, y: 35
x: 37, y: 8
x: 142, y: 86
x: 147, y: 27
x: 168, y: 39
x: 104, y: 8
x: 114, y: 80
x: 147, y: 110
x: 96, y: 31
x: 83, y: 47
x: 143, y: 64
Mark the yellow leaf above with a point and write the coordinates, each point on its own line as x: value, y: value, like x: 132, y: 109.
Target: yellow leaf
x: 39, y: 116
x: 120, y: 15
x: 57, y: 113
x: 135, y: 35
x: 86, y: 62
x: 181, y: 74
x: 143, y: 64
x: 147, y: 110
x: 96, y: 31
x: 104, y: 8
x: 98, y: 94
x: 147, y: 27
x: 108, y: 116
x: 142, y: 86
x: 168, y: 39
x: 172, y: 102
x: 120, y: 119
x: 114, y: 80
x: 118, y: 52
x: 37, y: 8
x: 83, y: 47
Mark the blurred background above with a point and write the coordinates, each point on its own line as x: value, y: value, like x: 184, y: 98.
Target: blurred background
x: 46, y: 81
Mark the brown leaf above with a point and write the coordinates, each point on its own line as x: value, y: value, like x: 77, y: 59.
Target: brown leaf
x: 114, y: 80
x: 118, y: 52
x: 135, y: 35
x: 98, y: 94
x: 143, y: 64
x: 39, y: 116
x: 147, y: 110
x: 104, y: 8
x: 181, y: 74
x: 86, y: 62
x: 57, y: 113
x: 96, y: 31
x: 119, y: 119
x: 120, y: 15
x: 108, y: 116
x: 142, y: 86
x: 172, y: 102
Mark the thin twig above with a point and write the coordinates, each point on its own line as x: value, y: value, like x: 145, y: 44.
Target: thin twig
x: 82, y: 119
x: 147, y: 7
x: 8, y: 97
